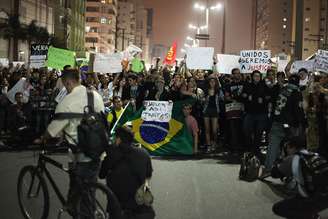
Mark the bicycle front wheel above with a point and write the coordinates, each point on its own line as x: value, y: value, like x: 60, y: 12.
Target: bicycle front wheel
x: 33, y: 195
x: 97, y: 202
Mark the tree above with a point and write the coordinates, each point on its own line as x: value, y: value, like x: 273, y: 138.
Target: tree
x: 36, y: 34
x: 12, y: 30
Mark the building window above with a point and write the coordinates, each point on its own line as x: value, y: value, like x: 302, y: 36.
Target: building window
x: 283, y: 42
x: 92, y: 9
x: 306, y: 49
x: 103, y: 20
x: 284, y: 19
x: 306, y: 29
x: 322, y: 29
x: 93, y: 30
x: 308, y: 9
x: 92, y: 19
x: 283, y: 50
x: 91, y: 39
x: 284, y: 26
x: 307, y: 19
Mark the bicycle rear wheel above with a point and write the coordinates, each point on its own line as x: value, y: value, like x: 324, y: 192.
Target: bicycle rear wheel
x: 33, y: 195
x: 97, y: 202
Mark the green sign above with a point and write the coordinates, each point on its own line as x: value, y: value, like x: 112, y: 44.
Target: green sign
x: 137, y: 65
x: 58, y: 58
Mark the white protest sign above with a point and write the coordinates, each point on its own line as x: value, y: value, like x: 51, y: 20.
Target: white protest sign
x: 200, y: 58
x: 22, y: 86
x: 321, y: 61
x: 282, y: 64
x: 61, y: 95
x: 251, y: 60
x: 4, y: 62
x: 37, y: 61
x: 226, y: 63
x: 297, y: 65
x: 157, y: 111
x: 131, y: 51
x: 108, y: 63
x: 15, y: 63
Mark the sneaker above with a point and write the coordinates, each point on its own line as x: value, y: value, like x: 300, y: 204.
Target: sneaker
x: 265, y: 174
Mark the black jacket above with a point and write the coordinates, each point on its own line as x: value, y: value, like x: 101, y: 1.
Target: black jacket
x: 125, y: 168
x: 255, y: 98
x: 288, y: 107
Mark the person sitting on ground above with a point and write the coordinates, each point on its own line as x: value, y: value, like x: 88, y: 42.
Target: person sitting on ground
x: 192, y: 125
x: 19, y: 120
x: 305, y: 204
x: 126, y: 168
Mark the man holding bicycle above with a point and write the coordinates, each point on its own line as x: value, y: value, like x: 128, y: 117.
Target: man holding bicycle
x: 83, y: 168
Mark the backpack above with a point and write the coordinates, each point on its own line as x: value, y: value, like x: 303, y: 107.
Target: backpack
x: 92, y: 131
x: 249, y: 168
x: 315, y: 173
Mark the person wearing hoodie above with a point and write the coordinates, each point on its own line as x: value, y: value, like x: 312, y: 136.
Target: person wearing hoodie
x: 288, y: 119
x: 256, y: 108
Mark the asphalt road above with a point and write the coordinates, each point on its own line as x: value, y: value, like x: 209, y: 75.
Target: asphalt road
x: 183, y: 189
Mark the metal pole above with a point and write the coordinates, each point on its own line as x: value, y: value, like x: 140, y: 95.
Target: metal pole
x: 118, y: 119
x: 198, y: 32
x: 207, y: 21
x: 123, y: 41
x: 224, y: 29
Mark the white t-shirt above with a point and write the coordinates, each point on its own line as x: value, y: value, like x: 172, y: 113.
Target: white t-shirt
x: 74, y: 102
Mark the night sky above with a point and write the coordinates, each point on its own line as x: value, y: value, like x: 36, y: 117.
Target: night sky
x: 171, y: 19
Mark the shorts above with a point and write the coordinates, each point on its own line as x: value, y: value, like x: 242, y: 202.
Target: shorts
x: 211, y: 113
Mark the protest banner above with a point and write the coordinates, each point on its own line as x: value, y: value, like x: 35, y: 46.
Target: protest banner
x: 200, y: 58
x: 157, y: 111
x: 15, y: 63
x: 282, y: 64
x: 108, y: 63
x: 226, y: 63
x: 251, y: 60
x: 4, y: 62
x: 321, y: 61
x: 137, y: 65
x: 297, y: 65
x: 58, y: 58
x: 171, y: 55
x: 22, y: 86
x: 130, y: 52
x: 37, y: 61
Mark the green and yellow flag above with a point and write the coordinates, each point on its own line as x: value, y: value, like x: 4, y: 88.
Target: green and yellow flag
x: 162, y: 138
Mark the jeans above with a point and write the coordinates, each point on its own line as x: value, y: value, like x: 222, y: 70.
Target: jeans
x: 233, y: 134
x: 254, y: 125
x: 300, y: 208
x: 323, y: 135
x: 81, y: 173
x: 277, y: 134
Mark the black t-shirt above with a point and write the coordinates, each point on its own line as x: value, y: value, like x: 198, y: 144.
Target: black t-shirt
x: 126, y: 168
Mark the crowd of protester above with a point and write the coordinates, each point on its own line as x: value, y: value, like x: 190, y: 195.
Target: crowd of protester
x: 231, y: 110
x: 234, y: 112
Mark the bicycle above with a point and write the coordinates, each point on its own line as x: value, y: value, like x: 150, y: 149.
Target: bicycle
x: 31, y: 178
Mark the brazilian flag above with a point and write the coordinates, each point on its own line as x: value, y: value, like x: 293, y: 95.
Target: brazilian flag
x: 162, y: 138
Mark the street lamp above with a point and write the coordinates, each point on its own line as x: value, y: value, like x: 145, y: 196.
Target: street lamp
x: 191, y: 26
x: 207, y: 8
x: 218, y: 6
